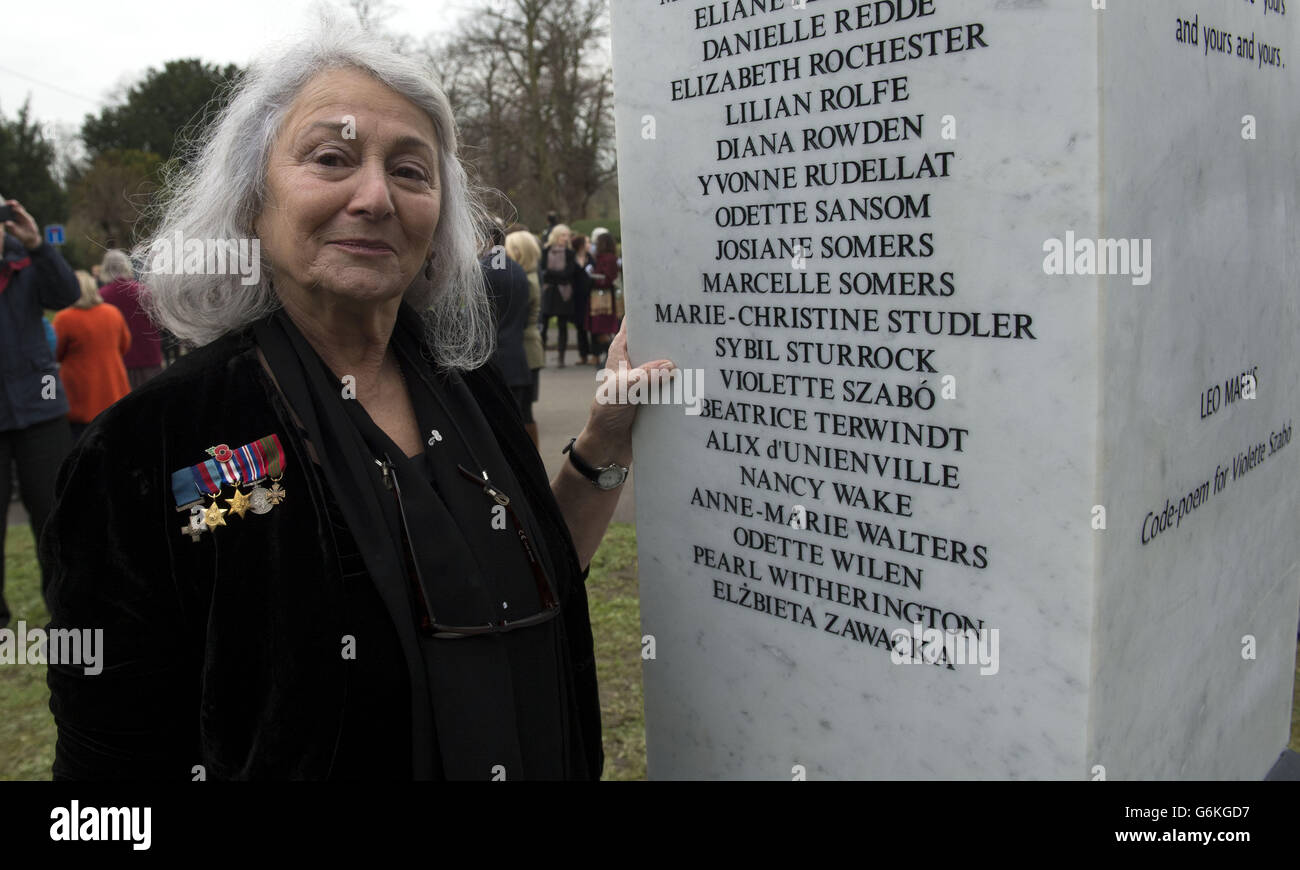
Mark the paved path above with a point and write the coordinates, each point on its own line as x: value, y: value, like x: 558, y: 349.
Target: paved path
x: 564, y: 402
x: 17, y: 516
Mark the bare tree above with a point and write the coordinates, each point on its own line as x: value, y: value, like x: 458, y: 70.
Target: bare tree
x: 371, y: 15
x: 531, y: 86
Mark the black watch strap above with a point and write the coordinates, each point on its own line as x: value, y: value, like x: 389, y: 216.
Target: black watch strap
x: 578, y: 462
x: 590, y: 472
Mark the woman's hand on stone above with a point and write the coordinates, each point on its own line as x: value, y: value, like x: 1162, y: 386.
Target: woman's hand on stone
x: 611, y: 414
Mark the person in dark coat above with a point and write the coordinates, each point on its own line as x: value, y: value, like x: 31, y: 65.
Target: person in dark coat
x: 552, y: 221
x: 507, y: 286
x: 581, y: 295
x: 34, y: 432
x: 601, y: 319
x: 559, y: 276
x: 323, y: 546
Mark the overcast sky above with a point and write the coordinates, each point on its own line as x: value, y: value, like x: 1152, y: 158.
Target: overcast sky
x: 69, y: 54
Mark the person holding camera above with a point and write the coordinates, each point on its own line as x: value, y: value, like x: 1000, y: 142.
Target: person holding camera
x: 34, y: 431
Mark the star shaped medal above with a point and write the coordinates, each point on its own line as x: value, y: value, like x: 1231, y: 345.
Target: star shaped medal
x: 252, y: 464
x: 214, y: 516
x: 189, y: 487
x: 239, y: 503
x: 249, y: 465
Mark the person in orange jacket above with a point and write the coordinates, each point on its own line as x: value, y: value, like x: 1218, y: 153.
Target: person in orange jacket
x: 92, y: 337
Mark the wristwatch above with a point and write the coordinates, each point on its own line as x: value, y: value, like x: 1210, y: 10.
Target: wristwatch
x: 604, y: 477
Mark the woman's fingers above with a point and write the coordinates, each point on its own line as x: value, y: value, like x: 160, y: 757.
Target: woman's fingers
x: 617, y: 412
x: 618, y: 347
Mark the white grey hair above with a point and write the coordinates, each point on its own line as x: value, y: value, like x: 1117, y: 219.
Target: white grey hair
x: 221, y: 193
x: 116, y: 264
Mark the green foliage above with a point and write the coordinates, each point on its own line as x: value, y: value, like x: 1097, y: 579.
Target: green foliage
x: 108, y: 201
x: 586, y: 225
x: 27, y: 160
x: 163, y: 110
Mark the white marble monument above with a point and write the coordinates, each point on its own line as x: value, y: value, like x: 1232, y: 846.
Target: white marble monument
x: 997, y: 308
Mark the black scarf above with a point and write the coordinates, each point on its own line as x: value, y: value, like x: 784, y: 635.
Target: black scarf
x: 481, y: 706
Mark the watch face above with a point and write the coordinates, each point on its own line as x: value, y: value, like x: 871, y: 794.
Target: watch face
x: 609, y: 478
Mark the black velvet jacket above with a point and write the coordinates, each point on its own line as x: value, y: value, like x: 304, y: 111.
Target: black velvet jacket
x: 225, y: 653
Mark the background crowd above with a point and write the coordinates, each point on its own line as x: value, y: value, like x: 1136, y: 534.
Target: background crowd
x: 555, y: 278
x: 74, y: 342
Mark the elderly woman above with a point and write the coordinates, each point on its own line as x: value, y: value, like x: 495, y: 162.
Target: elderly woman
x: 321, y: 545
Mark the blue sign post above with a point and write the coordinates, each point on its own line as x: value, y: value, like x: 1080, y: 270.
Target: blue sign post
x: 54, y: 234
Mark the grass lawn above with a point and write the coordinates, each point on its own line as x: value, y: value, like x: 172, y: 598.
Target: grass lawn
x: 27, y: 729
x: 26, y: 726
x: 616, y: 627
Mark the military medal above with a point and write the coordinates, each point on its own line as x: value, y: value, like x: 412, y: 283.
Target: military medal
x: 240, y: 467
x: 273, y: 462
x: 239, y: 503
x: 232, y: 472
x: 271, y: 458
x: 264, y: 459
x: 203, y: 479
x: 252, y: 463
x: 225, y: 457
x: 214, y: 516
x: 195, y: 527
x: 259, y: 501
